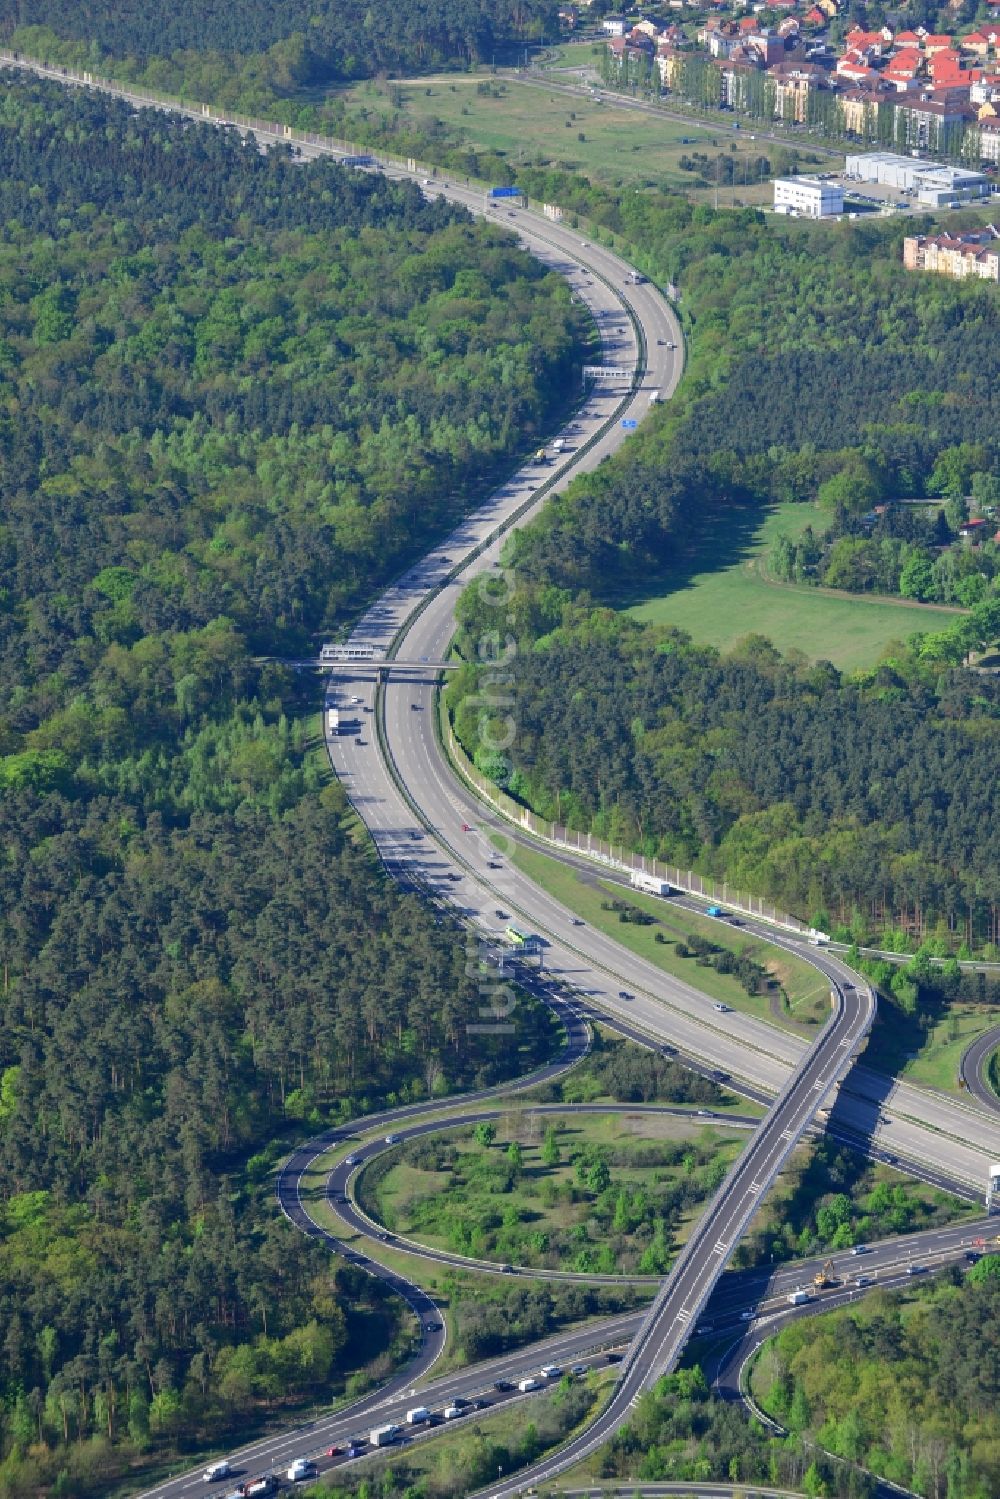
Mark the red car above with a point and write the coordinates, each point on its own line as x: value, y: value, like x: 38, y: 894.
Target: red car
x: 334, y: 1451
x: 466, y: 828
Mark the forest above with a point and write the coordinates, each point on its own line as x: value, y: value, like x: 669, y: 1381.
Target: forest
x: 906, y: 1386
x: 298, y: 42
x: 236, y: 392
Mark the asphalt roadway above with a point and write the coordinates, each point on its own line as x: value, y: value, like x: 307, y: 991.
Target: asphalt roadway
x: 746, y: 1308
x: 668, y: 1324
x: 972, y: 1070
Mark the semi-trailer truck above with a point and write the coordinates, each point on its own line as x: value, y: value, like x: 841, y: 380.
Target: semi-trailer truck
x: 649, y: 882
x: 333, y: 720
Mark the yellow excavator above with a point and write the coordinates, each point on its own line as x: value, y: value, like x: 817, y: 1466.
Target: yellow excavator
x: 825, y: 1278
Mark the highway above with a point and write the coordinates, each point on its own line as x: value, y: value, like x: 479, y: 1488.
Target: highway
x: 725, y: 1339
x: 403, y: 791
x: 972, y: 1070
x: 343, y: 1181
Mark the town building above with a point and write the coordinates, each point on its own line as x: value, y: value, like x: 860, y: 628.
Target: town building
x: 932, y: 185
x: 974, y: 253
x: 808, y: 197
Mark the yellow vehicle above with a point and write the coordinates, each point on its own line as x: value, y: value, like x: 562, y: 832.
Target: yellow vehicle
x: 825, y: 1277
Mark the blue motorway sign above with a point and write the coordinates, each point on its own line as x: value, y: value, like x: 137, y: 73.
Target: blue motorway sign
x: 629, y: 424
x: 505, y: 192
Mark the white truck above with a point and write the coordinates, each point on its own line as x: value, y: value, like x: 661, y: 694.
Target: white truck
x: 333, y: 720
x: 797, y: 1298
x: 559, y: 444
x: 383, y: 1436
x: 417, y: 1414
x: 526, y: 1385
x: 649, y: 883
x: 655, y: 397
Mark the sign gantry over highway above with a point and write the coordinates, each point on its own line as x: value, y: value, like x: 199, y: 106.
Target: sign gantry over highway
x: 607, y: 373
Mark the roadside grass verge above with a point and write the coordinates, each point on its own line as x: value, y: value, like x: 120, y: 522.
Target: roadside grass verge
x: 482, y: 1447
x: 929, y: 1057
x: 807, y: 992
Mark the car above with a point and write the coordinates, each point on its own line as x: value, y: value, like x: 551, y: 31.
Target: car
x: 500, y: 915
x: 705, y: 1114
x: 860, y: 1249
x: 551, y: 1371
x: 460, y: 1403
x: 355, y: 700
x: 334, y: 1451
x: 624, y: 994
x: 350, y: 1160
x: 466, y: 828
x: 915, y: 1269
x: 503, y: 1386
x: 613, y: 1358
x: 661, y: 342
x: 579, y: 1369
x: 575, y: 921
x: 722, y: 1009
x: 354, y: 1450
x: 865, y: 1280
x: 302, y: 1467
x: 359, y: 740
x: 451, y: 1413
x: 507, y: 1269
x: 432, y: 1326
x: 340, y: 1198
x: 414, y: 707
x: 391, y: 1139
x: 671, y: 345
x: 745, y: 1316
x: 585, y: 243
x: 494, y: 864
x: 222, y: 1469
x: 481, y: 1404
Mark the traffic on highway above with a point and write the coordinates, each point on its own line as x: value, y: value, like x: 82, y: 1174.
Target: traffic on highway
x: 433, y: 834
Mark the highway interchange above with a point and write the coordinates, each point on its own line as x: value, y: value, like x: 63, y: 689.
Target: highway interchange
x: 422, y: 823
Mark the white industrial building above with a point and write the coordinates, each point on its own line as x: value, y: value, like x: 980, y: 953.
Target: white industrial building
x: 933, y: 185
x: 808, y: 197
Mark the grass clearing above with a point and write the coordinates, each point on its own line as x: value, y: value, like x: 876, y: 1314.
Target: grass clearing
x: 807, y: 994
x: 929, y: 1057
x: 721, y: 592
x: 532, y: 124
x: 593, y: 1193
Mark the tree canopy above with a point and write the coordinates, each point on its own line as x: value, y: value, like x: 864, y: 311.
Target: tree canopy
x: 236, y: 392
